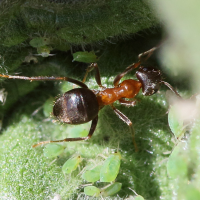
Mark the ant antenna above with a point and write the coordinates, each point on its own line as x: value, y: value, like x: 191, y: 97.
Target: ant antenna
x: 171, y: 88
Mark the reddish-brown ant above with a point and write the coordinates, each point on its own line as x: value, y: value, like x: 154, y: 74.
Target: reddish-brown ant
x: 82, y: 105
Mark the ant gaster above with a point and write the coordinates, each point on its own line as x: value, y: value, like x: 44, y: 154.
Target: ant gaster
x: 82, y: 105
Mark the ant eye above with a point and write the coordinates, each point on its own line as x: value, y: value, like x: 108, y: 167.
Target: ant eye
x: 150, y: 79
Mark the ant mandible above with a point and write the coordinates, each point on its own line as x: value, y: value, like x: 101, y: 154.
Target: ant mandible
x: 81, y: 105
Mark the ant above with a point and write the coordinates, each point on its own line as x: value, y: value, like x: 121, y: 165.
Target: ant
x: 81, y: 105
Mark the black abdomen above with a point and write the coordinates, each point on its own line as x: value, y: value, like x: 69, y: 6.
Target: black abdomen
x: 76, y: 106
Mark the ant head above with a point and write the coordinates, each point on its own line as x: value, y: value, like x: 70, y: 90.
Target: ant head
x: 150, y: 79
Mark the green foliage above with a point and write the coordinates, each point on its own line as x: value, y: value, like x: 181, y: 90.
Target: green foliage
x: 25, y: 173
x: 48, y: 107
x: 175, y: 123
x: 177, y: 163
x: 180, y: 56
x: 13, y: 33
x: 24, y: 129
x: 138, y: 197
x: 77, y: 23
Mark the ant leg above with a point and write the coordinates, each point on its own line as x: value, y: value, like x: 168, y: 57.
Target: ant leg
x: 135, y: 65
x: 125, y: 119
x: 46, y: 78
x: 89, y: 69
x: 97, y: 73
x: 128, y: 69
x: 92, y: 129
x: 147, y: 54
x: 127, y: 103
